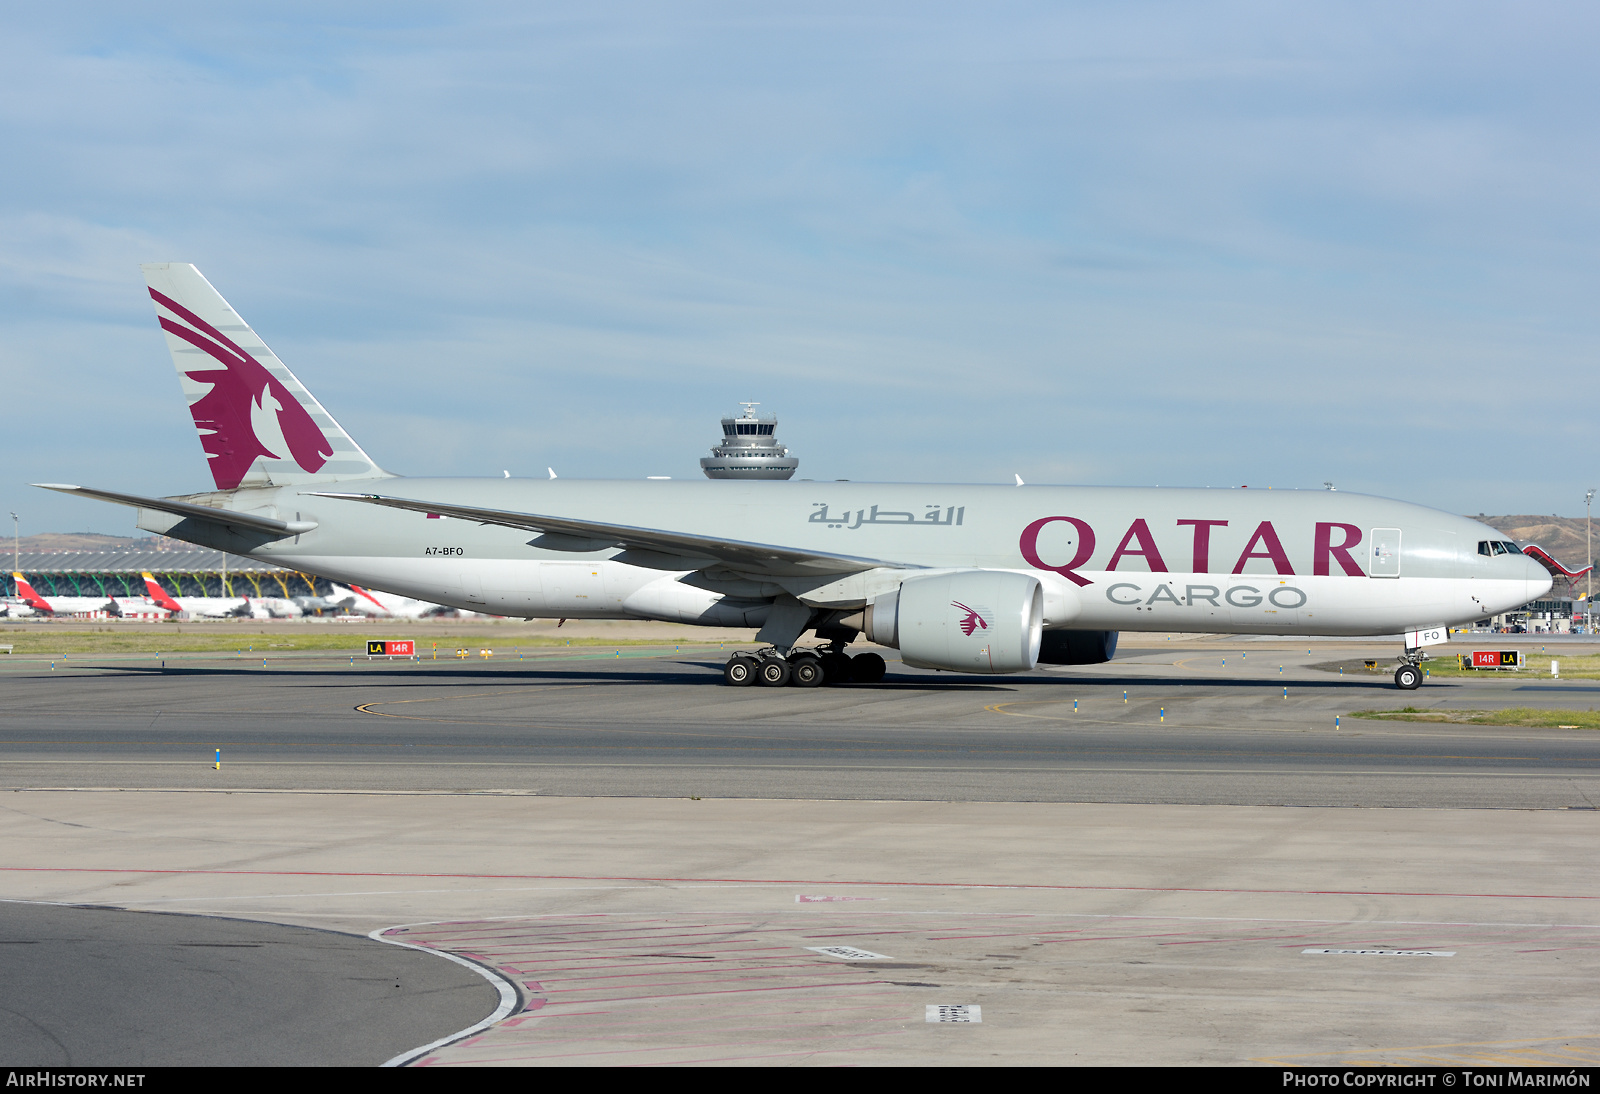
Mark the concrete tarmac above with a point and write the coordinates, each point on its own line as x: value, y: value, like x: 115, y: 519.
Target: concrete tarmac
x: 1252, y: 726
x: 671, y: 931
x: 94, y: 987
x: 657, y: 861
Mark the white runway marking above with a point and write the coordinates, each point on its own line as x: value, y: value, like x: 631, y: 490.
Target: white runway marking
x: 848, y: 953
x: 507, y: 990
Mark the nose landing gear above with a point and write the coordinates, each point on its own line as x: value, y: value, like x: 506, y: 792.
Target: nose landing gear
x: 1408, y: 677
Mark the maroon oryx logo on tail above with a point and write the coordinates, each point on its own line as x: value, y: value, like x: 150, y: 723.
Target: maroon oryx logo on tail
x: 973, y: 620
x: 246, y: 412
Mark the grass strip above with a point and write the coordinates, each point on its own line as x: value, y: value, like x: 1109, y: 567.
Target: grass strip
x: 101, y: 643
x: 1444, y: 665
x: 1538, y: 717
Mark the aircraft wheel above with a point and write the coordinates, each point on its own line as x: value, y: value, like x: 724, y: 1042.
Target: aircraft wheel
x: 739, y: 671
x: 806, y: 672
x: 772, y: 673
x: 1408, y: 678
x: 836, y: 668
x: 867, y: 668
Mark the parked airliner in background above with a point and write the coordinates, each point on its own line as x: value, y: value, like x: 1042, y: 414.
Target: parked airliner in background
x: 985, y: 579
x: 221, y: 607
x: 29, y: 602
x: 372, y: 602
x: 17, y: 607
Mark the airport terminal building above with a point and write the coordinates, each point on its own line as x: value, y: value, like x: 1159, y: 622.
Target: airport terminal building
x: 192, y: 572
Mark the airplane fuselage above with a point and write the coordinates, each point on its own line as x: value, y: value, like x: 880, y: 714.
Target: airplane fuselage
x: 1113, y: 558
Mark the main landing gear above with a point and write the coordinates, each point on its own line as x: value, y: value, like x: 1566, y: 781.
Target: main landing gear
x: 802, y: 668
x: 1408, y: 677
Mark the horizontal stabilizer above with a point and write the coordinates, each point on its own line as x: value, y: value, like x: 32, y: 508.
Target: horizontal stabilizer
x: 693, y: 550
x: 1545, y: 559
x: 189, y: 509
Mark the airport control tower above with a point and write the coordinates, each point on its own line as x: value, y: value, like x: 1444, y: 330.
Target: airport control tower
x: 749, y: 450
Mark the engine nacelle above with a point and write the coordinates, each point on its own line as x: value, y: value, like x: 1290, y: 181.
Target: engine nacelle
x: 964, y: 621
x: 1077, y: 647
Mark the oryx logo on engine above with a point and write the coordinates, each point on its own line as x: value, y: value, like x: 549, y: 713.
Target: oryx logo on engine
x: 973, y: 620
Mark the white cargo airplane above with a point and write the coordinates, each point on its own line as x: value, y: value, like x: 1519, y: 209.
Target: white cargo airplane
x: 977, y: 579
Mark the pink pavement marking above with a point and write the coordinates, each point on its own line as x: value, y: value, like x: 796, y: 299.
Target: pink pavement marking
x: 682, y: 1048
x: 608, y: 985
x: 764, y: 971
x: 1116, y: 937
x: 686, y: 971
x: 549, y: 969
x: 564, y: 993
x: 687, y: 995
x: 1216, y: 941
x: 632, y: 1021
x: 791, y: 882
x: 741, y: 1059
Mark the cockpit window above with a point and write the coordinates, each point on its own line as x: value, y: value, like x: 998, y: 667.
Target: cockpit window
x: 1499, y: 547
x: 1512, y: 548
x: 1483, y: 547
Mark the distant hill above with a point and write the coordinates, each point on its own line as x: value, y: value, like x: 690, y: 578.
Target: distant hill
x: 88, y: 541
x: 1561, y: 536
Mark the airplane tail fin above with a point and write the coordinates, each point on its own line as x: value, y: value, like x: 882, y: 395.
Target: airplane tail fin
x: 159, y: 595
x: 258, y: 424
x: 373, y: 604
x: 26, y: 594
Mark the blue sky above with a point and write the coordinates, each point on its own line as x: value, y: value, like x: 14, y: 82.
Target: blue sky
x: 1177, y: 244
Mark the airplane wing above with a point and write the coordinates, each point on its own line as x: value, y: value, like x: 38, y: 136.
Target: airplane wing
x: 1545, y: 559
x: 252, y: 521
x: 650, y: 547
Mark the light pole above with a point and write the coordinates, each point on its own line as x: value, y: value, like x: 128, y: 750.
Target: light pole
x: 1588, y: 546
x: 16, y: 540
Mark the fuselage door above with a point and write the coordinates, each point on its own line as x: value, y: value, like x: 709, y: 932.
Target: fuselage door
x: 1385, y: 560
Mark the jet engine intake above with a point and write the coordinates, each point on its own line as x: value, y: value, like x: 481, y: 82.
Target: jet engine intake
x: 964, y: 621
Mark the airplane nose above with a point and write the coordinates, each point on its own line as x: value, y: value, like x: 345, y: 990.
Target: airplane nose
x: 1540, y: 580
